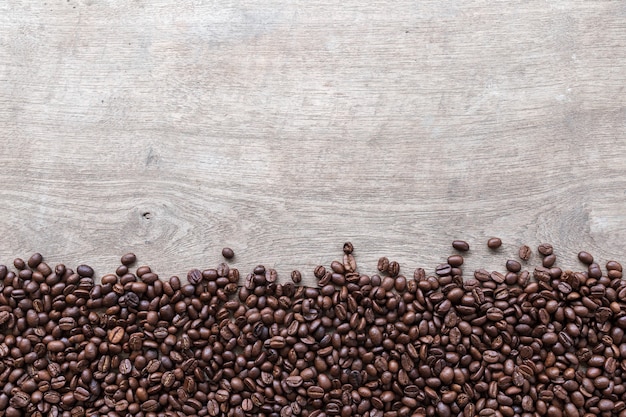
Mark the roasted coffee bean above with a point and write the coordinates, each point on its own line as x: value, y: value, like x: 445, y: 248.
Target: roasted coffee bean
x: 443, y: 269
x: 228, y: 253
x: 296, y: 277
x: 585, y: 257
x: 494, y: 243
x: 460, y: 245
x: 383, y: 264
x: 524, y: 252
x: 455, y: 260
x: 513, y: 266
x: 116, y: 335
x: 128, y: 259
x: 85, y: 271
x: 348, y: 248
x: 545, y: 249
x: 549, y: 261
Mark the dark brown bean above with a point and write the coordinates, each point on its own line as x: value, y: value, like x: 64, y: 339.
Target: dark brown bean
x: 128, y: 259
x: 494, y: 243
x: 513, y: 266
x: 545, y: 249
x: 348, y: 248
x: 524, y: 252
x: 228, y: 253
x: 585, y: 257
x: 455, y: 260
x: 461, y: 245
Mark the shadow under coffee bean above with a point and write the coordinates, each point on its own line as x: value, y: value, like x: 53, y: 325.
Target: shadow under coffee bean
x: 524, y: 341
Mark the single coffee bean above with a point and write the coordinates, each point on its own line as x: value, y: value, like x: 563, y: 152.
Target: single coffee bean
x: 613, y: 266
x: 319, y: 272
x: 35, y: 260
x: 150, y: 406
x: 116, y: 334
x: 585, y: 257
x: 455, y: 260
x: 460, y: 245
x: 545, y: 249
x: 85, y: 271
x: 128, y: 259
x: 194, y: 276
x: 443, y: 269
x: 383, y: 264
x: 296, y: 276
x: 228, y: 253
x: 524, y: 252
x: 513, y: 266
x: 348, y: 248
x: 315, y: 392
x: 394, y: 269
x: 494, y: 243
x: 549, y: 261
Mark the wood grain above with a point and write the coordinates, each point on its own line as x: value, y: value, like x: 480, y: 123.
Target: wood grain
x: 283, y: 129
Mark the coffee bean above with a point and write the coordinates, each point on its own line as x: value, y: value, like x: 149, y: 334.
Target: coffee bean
x: 128, y: 259
x: 194, y: 276
x: 116, y: 334
x: 296, y: 277
x: 394, y: 269
x: 4, y: 317
x: 150, y: 406
x: 348, y: 248
x: 513, y: 266
x: 443, y: 269
x: 228, y: 253
x: 460, y: 245
x: 85, y: 271
x: 455, y: 260
x: 545, y: 249
x: 585, y: 257
x: 494, y: 243
x: 549, y: 261
x: 315, y: 392
x: 524, y: 252
x: 319, y: 272
x: 383, y: 264
x: 81, y: 394
x: 35, y: 260
x: 613, y: 266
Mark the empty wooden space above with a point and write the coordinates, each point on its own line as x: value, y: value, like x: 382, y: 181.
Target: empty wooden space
x: 282, y: 129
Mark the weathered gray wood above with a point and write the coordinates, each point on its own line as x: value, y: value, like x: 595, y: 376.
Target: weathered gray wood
x: 283, y: 129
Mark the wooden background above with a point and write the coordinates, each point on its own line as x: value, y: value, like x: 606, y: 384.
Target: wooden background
x: 284, y: 128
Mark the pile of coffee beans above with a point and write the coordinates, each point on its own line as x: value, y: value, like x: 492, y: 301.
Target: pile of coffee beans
x: 524, y: 341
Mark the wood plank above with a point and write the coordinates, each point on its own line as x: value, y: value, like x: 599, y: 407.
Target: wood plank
x: 283, y: 129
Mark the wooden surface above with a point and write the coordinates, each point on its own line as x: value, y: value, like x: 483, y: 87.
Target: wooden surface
x: 283, y: 129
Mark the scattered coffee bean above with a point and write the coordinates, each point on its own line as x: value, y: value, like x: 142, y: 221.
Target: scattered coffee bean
x: 296, y: 276
x: 128, y: 259
x: 513, y: 266
x: 548, y: 261
x: 455, y: 260
x: 545, y: 249
x: 348, y: 248
x: 494, y: 243
x: 585, y: 257
x: 383, y: 264
x: 524, y: 252
x: 460, y: 245
x: 228, y: 253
